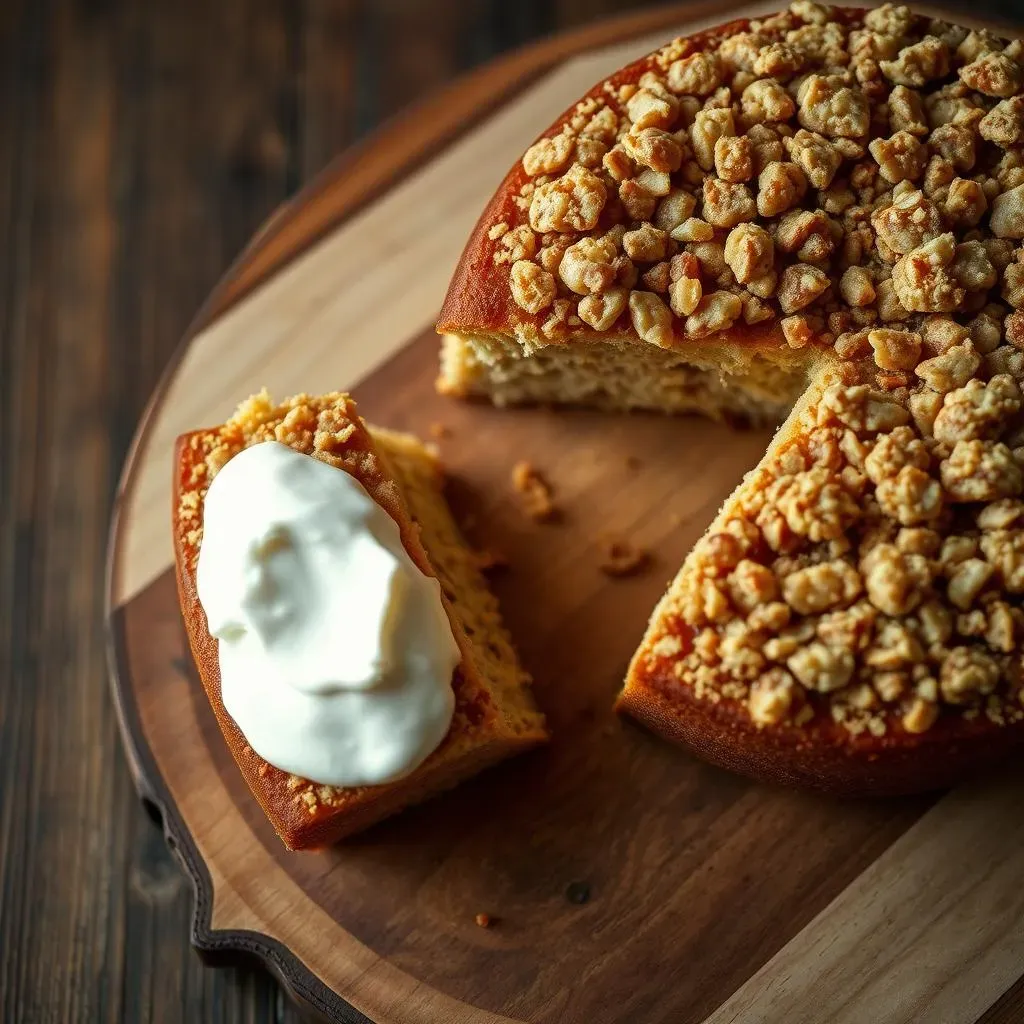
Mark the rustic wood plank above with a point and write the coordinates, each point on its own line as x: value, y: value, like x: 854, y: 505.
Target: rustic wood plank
x: 20, y: 100
x: 108, y: 181
x: 56, y: 918
x: 330, y: 113
x: 934, y: 929
x: 164, y: 133
x: 1008, y: 1009
x: 202, y: 158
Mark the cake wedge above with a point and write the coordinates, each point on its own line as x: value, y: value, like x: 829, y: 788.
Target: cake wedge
x: 851, y: 620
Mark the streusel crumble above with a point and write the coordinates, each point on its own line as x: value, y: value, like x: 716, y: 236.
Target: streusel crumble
x: 830, y: 172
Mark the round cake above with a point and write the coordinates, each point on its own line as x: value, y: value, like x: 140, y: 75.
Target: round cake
x: 815, y: 216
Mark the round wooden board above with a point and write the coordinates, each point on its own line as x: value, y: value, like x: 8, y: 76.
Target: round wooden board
x: 626, y: 881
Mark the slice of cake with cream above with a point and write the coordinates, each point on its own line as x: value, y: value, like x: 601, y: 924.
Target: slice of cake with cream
x: 346, y: 639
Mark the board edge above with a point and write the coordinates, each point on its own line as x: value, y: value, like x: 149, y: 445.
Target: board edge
x: 216, y: 946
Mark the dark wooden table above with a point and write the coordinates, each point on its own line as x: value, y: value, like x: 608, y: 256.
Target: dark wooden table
x: 141, y: 143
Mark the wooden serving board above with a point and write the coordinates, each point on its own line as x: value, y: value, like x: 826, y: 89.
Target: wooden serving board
x: 627, y: 882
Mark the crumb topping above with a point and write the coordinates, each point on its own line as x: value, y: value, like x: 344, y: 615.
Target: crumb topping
x: 853, y: 183
x: 535, y: 491
x: 621, y: 558
x: 871, y: 569
x: 819, y: 172
x: 488, y: 560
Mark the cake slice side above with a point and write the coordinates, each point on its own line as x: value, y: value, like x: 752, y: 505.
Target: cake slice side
x: 456, y: 565
x: 616, y: 375
x: 495, y: 715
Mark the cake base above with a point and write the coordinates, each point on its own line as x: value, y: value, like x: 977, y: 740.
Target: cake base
x: 618, y: 376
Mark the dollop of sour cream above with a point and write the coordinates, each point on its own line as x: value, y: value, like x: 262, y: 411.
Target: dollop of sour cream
x: 336, y: 653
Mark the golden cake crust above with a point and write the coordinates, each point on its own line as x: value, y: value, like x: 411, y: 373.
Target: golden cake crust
x: 772, y: 183
x: 306, y: 814
x: 821, y: 756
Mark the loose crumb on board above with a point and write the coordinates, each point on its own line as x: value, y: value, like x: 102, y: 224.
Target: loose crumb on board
x: 483, y: 920
x: 621, y: 558
x: 488, y: 560
x: 439, y: 430
x: 536, y: 492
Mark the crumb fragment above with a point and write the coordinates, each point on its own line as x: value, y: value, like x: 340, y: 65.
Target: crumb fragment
x: 489, y: 560
x: 536, y: 492
x: 621, y: 558
x: 439, y: 430
x: 483, y: 920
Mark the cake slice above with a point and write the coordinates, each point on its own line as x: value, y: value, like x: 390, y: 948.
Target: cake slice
x: 825, y: 206
x: 495, y: 714
x: 851, y: 620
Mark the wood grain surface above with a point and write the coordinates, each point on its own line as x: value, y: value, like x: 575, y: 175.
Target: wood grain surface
x: 141, y: 144
x: 374, y: 935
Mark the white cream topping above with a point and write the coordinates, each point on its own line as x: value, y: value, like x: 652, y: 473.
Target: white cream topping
x: 336, y: 653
